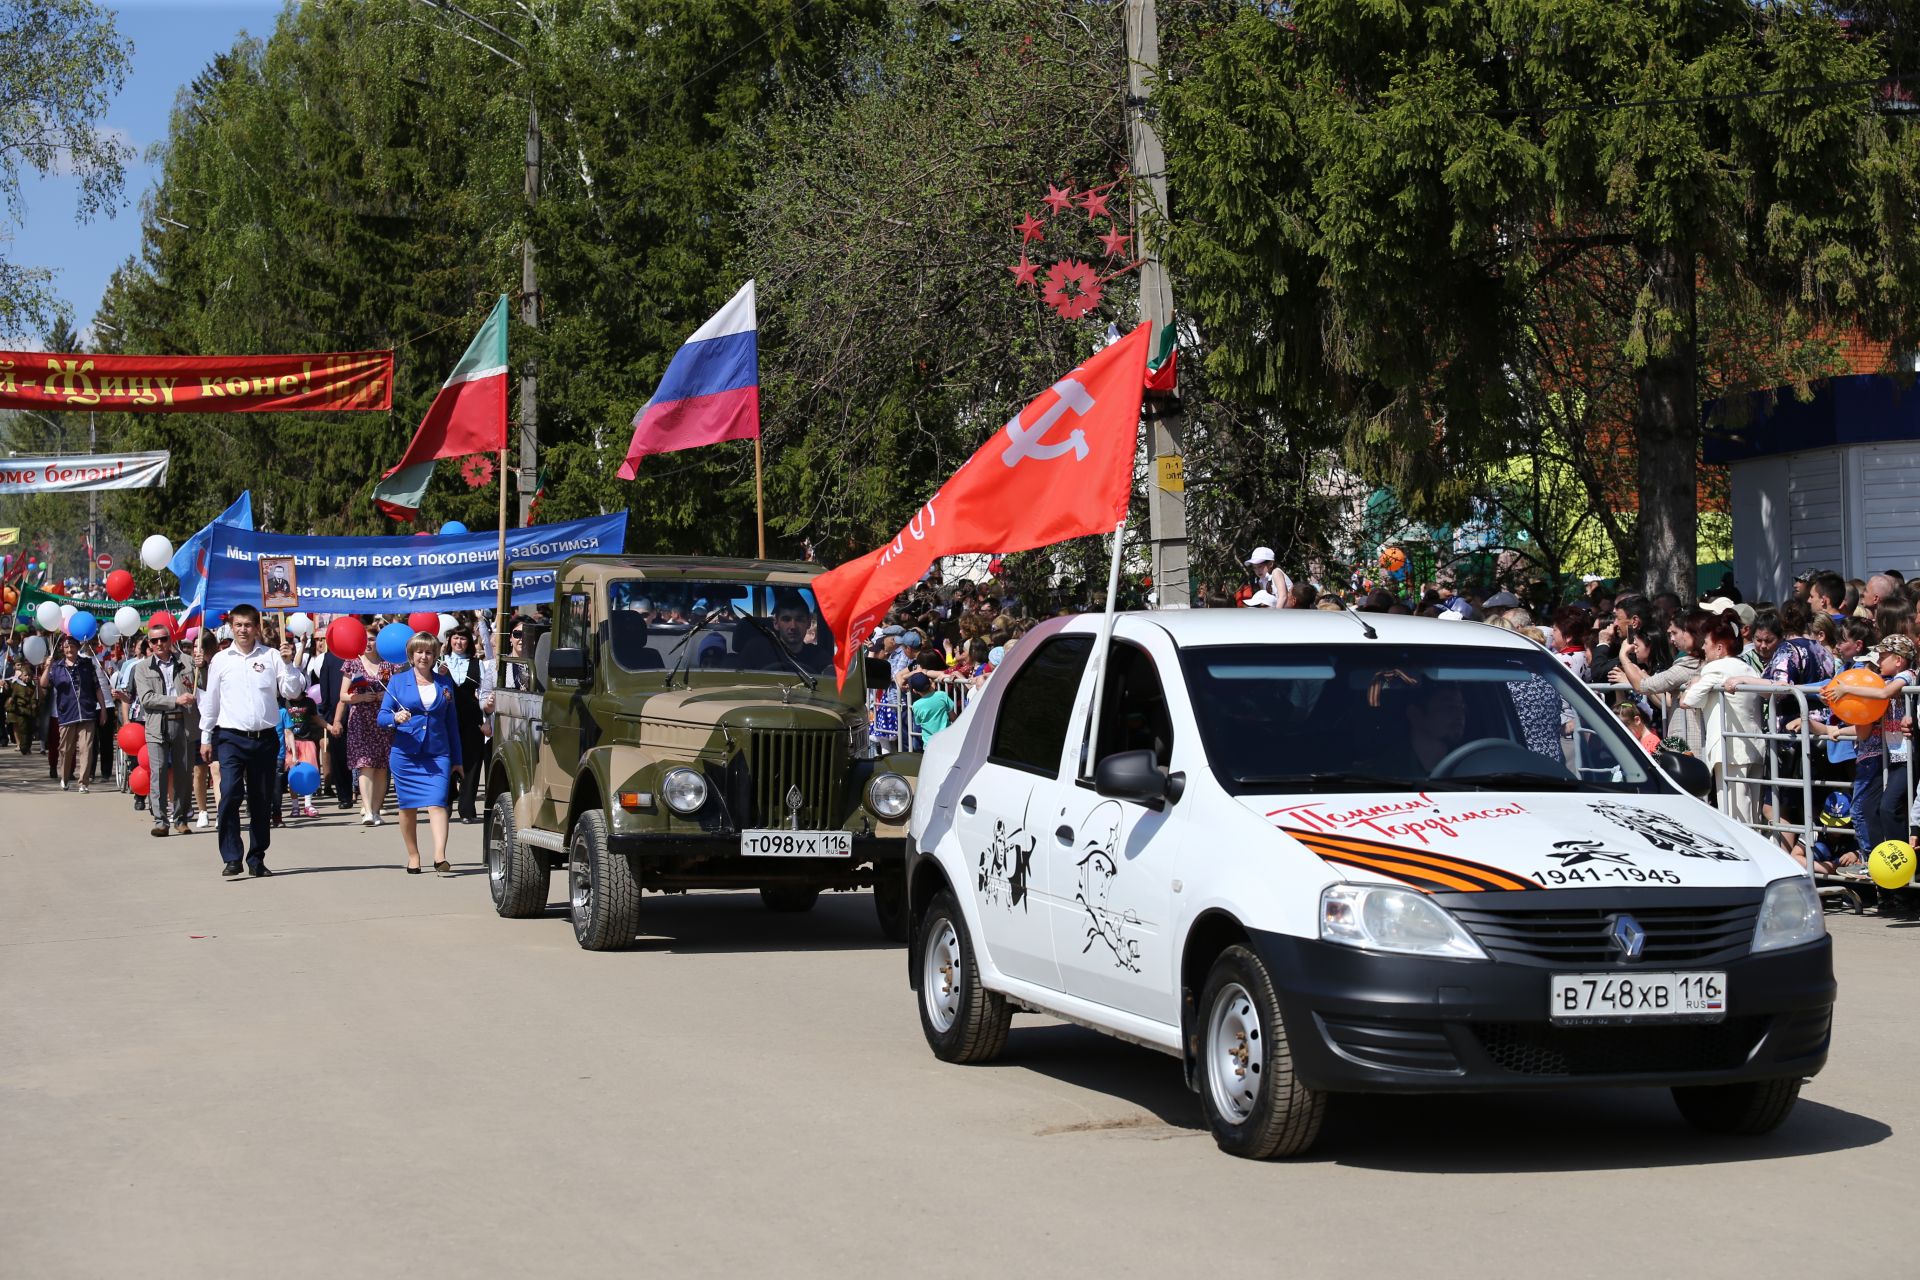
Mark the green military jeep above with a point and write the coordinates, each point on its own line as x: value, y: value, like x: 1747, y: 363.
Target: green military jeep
x: 680, y: 729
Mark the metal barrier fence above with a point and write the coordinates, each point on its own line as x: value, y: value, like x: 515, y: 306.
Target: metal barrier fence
x: 890, y: 725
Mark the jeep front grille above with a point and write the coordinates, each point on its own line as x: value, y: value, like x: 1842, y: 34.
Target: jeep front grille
x: 779, y: 760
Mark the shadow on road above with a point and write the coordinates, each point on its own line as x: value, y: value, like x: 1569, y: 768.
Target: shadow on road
x: 1557, y: 1131
x: 737, y: 923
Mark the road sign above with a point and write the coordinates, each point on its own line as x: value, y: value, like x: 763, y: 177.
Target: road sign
x: 105, y: 562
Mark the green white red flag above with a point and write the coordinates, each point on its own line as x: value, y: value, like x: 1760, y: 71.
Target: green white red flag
x: 468, y: 416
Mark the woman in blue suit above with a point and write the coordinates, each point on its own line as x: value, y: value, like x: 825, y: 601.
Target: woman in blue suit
x: 426, y: 748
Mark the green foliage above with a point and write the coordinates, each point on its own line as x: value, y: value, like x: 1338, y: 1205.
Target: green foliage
x: 61, y: 62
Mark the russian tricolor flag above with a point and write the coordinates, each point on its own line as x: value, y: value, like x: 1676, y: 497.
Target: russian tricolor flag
x: 712, y: 388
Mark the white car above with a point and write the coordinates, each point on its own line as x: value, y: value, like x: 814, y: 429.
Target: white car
x: 1330, y: 852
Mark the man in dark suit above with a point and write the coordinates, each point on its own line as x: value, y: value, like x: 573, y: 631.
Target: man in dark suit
x: 339, y: 776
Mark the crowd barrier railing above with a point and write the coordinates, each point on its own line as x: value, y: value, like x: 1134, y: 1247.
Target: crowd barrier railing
x: 890, y: 720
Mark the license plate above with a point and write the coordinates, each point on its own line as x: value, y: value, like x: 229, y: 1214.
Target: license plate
x: 796, y: 844
x: 1638, y: 997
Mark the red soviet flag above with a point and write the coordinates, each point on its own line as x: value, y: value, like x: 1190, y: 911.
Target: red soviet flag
x: 1062, y: 468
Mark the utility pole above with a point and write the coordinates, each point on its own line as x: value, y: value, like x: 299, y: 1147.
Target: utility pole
x: 1167, y: 502
x: 93, y: 511
x: 529, y: 316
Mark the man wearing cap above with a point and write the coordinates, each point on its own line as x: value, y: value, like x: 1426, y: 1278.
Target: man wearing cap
x: 901, y: 660
x: 162, y: 687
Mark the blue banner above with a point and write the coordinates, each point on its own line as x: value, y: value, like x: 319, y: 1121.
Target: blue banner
x: 189, y: 563
x: 384, y: 575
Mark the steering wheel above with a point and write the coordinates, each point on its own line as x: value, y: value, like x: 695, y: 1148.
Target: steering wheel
x: 1450, y: 763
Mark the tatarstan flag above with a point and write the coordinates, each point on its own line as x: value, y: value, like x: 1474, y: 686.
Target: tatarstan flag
x: 468, y: 416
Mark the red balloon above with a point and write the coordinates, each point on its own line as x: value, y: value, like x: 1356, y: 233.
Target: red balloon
x: 139, y: 781
x: 132, y: 738
x: 427, y: 622
x: 119, y: 585
x: 346, y: 638
x: 166, y: 620
x: 140, y: 757
x: 53, y: 589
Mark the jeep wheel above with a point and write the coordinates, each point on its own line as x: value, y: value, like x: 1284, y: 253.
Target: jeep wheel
x: 1755, y: 1107
x: 1254, y: 1103
x: 602, y: 896
x: 789, y: 899
x: 962, y: 1020
x: 890, y: 909
x: 517, y: 876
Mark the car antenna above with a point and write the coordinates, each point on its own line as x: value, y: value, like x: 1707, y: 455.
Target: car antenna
x: 1366, y: 627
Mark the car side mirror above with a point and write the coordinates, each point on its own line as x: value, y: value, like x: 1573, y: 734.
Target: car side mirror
x: 569, y: 664
x: 1693, y: 776
x: 1137, y: 776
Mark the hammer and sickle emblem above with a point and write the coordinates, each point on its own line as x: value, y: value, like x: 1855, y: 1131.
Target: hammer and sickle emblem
x: 1030, y: 442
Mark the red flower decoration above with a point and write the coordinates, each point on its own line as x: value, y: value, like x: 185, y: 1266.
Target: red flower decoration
x: 477, y: 470
x: 1072, y: 289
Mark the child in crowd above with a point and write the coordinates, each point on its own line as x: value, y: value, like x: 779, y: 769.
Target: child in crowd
x: 303, y: 740
x: 1629, y: 714
x: 1879, y: 814
x: 932, y: 708
x: 23, y: 704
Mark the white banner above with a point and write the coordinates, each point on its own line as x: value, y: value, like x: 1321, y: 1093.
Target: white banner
x: 80, y: 472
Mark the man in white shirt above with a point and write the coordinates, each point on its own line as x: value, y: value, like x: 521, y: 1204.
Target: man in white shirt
x: 240, y: 727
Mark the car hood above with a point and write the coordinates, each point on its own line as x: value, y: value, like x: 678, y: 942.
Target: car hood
x: 1447, y: 841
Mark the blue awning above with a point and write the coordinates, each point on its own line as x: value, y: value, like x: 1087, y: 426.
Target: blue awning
x: 1857, y: 409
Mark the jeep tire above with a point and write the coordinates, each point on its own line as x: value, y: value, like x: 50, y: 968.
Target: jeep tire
x: 789, y: 899
x: 962, y: 1020
x: 603, y: 898
x: 517, y: 876
x: 1254, y: 1103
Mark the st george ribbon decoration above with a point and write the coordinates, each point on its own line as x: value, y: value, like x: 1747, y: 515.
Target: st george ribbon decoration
x: 50, y: 381
x: 83, y: 471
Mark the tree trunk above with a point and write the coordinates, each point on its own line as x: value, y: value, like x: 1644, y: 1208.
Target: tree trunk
x: 1668, y: 428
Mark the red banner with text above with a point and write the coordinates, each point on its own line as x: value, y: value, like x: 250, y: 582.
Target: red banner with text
x: 196, y: 384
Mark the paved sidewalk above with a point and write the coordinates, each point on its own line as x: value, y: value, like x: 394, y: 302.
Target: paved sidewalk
x: 345, y: 1071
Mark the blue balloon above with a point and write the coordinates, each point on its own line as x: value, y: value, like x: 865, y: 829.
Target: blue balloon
x: 391, y: 643
x: 83, y: 626
x: 452, y: 526
x: 303, y: 779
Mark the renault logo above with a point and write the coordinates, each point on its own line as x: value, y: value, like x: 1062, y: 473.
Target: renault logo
x: 1626, y: 933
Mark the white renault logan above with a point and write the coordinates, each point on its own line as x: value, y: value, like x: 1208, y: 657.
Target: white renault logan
x: 1320, y: 852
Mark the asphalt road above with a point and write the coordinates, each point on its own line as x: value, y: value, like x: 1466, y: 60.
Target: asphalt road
x: 347, y: 1071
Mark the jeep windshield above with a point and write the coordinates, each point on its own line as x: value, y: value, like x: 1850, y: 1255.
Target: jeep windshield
x: 1380, y: 717
x: 770, y: 628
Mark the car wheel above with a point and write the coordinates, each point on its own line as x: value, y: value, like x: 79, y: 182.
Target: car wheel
x: 789, y: 899
x: 602, y: 896
x: 1254, y: 1103
x: 962, y: 1020
x: 517, y: 876
x: 1757, y: 1106
x: 890, y: 909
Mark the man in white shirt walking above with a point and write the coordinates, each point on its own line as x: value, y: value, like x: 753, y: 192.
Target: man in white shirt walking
x: 240, y: 727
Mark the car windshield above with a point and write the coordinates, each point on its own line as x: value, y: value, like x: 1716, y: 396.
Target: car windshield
x: 735, y: 626
x: 1392, y: 717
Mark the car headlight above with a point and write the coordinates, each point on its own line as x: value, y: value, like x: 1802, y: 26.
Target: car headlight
x: 890, y: 796
x: 684, y: 791
x: 1382, y: 918
x: 1790, y: 916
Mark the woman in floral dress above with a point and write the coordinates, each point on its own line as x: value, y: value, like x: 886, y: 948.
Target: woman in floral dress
x: 368, y: 744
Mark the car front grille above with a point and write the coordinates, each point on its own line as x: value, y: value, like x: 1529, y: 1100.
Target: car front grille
x: 1552, y: 930
x: 779, y: 760
x: 1541, y: 1049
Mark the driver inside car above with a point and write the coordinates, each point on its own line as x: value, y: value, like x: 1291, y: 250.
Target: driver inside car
x: 1426, y: 719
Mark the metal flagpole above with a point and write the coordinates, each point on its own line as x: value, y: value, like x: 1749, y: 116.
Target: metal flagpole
x: 500, y: 599
x: 759, y: 498
x: 1100, y: 650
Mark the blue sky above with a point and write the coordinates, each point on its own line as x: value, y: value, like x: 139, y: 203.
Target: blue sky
x: 173, y: 40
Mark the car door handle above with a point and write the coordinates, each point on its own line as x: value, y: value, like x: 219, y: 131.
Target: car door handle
x: 1064, y: 835
x: 969, y: 804
x: 537, y: 726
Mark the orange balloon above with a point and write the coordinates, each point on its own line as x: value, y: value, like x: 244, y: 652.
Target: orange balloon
x: 1392, y: 558
x: 1850, y: 708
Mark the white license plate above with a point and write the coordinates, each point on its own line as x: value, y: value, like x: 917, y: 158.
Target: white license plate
x: 1634, y: 997
x: 796, y: 844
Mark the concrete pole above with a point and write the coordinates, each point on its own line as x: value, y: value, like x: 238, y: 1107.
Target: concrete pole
x: 529, y: 316
x: 93, y: 512
x: 1167, y: 501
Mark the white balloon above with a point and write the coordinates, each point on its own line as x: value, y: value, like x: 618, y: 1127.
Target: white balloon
x: 48, y: 615
x: 34, y: 650
x: 66, y: 614
x: 299, y: 624
x: 447, y: 623
x: 127, y: 619
x: 108, y: 634
x: 156, y: 551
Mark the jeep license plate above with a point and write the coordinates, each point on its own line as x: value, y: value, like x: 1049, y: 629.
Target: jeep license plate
x: 1637, y: 997
x: 796, y: 844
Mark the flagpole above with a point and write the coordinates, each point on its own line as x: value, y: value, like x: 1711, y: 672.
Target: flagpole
x: 1100, y: 652
x: 759, y: 498
x: 500, y: 600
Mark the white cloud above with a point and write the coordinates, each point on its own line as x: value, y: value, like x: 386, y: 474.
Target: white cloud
x: 108, y: 135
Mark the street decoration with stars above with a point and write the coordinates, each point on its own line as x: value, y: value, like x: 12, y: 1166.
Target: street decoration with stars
x: 1071, y: 285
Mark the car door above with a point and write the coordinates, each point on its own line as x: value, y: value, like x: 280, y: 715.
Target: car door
x: 565, y: 704
x: 1003, y: 845
x: 1112, y: 863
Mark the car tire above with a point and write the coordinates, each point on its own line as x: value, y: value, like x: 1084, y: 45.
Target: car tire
x: 890, y: 910
x: 962, y: 1020
x: 1254, y: 1103
x: 789, y: 899
x: 603, y: 898
x: 517, y: 876
x: 1752, y: 1107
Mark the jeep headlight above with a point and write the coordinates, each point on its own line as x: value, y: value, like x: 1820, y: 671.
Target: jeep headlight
x: 1790, y: 916
x: 1382, y: 918
x: 890, y: 796
x: 684, y: 790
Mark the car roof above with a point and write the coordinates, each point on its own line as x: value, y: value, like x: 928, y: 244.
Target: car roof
x: 1199, y: 627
